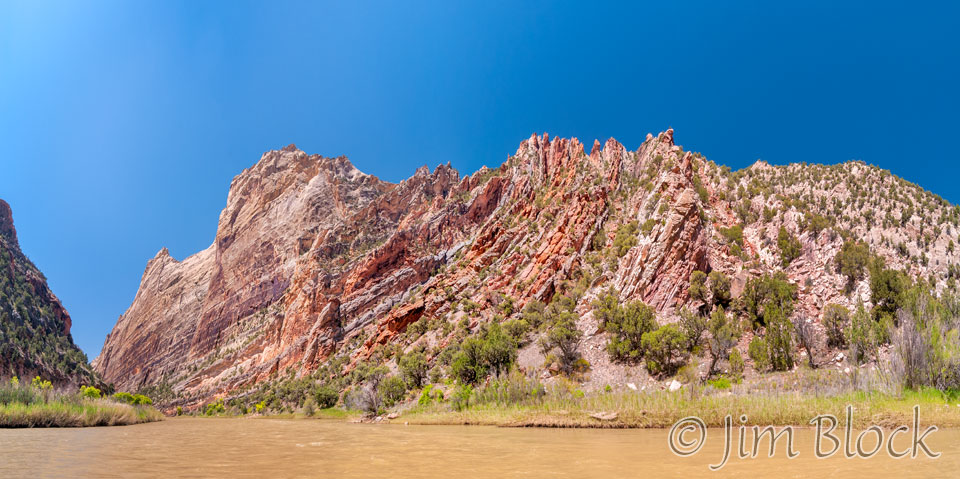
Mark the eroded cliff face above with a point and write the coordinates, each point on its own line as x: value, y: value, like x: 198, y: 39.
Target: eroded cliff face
x: 34, y: 326
x: 314, y: 260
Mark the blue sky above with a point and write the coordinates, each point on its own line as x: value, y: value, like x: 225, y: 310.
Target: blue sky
x: 122, y: 123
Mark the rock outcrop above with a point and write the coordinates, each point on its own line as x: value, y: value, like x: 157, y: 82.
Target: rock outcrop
x: 34, y: 326
x: 315, y: 263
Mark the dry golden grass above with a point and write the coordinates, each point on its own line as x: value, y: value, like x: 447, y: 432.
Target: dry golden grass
x: 88, y: 412
x: 662, y: 409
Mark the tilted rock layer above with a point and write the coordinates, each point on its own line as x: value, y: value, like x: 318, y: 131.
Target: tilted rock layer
x: 314, y: 259
x: 34, y: 326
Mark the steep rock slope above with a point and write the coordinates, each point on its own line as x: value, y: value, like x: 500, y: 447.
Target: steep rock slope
x: 34, y: 326
x: 315, y: 263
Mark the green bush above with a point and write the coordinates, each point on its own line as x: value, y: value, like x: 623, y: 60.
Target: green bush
x: 413, y: 368
x: 736, y: 364
x: 392, y: 390
x: 719, y: 288
x: 89, y: 392
x: 326, y: 396
x: 720, y: 383
x: 694, y: 326
x: 779, y: 339
x: 887, y: 291
x: 723, y: 336
x: 625, y: 238
x: 766, y: 292
x: 626, y: 325
x: 698, y: 287
x: 733, y: 235
x: 664, y: 350
x: 562, y: 334
x: 518, y: 329
x: 533, y: 313
x: 861, y: 336
x: 790, y: 247
x: 757, y: 350
x: 852, y: 261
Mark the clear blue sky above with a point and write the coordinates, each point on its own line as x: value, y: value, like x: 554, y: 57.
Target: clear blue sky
x: 122, y: 123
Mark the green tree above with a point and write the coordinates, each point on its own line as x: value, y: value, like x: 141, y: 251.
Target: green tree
x: 391, y: 390
x: 698, y: 287
x: 499, y: 350
x: 766, y: 292
x: 779, y: 340
x: 720, y: 288
x: 852, y: 261
x: 790, y: 246
x: 626, y: 325
x: 665, y: 350
x: 562, y: 333
x: 758, y: 352
x: 413, y: 367
x: 723, y: 336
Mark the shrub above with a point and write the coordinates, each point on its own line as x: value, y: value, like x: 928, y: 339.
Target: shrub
x: 698, y: 287
x: 723, y: 336
x: 625, y: 238
x: 533, y: 313
x: 779, y: 340
x: 887, y: 290
x: 803, y: 331
x: 325, y: 396
x: 733, y: 235
x: 461, y: 397
x: 132, y: 399
x: 757, y: 350
x: 694, y: 326
x: 625, y: 324
x: 719, y: 288
x: 214, y: 408
x: 860, y: 336
x: 790, y: 247
x: 736, y: 364
x: 492, y: 351
x: 517, y: 329
x: 836, y: 319
x: 767, y: 292
x: 413, y: 368
x: 720, y: 383
x: 391, y: 390
x: 89, y: 392
x: 468, y: 366
x: 664, y: 350
x: 852, y: 261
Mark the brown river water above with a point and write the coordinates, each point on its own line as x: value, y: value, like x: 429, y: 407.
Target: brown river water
x: 196, y: 447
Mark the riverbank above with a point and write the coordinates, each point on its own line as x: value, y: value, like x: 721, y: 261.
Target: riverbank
x: 85, y: 413
x: 38, y: 405
x: 662, y: 409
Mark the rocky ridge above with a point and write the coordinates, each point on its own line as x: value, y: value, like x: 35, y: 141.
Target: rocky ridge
x: 315, y: 263
x: 34, y: 326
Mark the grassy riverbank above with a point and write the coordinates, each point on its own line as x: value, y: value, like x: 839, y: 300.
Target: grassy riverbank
x: 23, y: 406
x: 662, y: 409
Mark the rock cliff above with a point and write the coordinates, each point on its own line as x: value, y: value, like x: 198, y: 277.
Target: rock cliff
x: 34, y: 326
x: 314, y: 260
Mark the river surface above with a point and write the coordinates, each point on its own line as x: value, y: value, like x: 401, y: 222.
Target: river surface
x: 196, y: 447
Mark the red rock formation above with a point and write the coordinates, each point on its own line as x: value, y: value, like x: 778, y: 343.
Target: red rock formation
x: 313, y: 259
